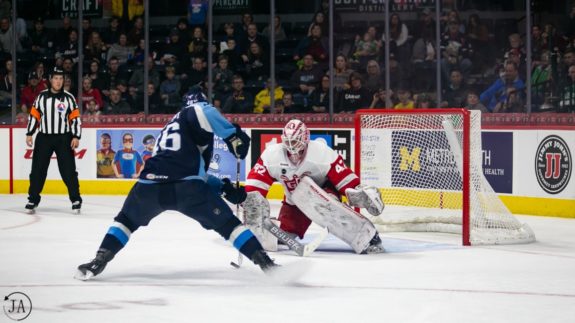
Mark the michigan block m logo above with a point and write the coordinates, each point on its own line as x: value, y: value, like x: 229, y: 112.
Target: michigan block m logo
x: 409, y: 160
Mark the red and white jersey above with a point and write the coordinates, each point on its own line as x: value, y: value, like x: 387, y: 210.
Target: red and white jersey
x: 320, y: 163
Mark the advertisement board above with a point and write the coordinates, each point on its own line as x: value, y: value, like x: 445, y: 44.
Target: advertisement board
x: 497, y: 160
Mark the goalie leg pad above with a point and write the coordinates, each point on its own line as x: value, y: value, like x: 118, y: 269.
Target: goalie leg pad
x: 341, y: 221
x: 256, y: 211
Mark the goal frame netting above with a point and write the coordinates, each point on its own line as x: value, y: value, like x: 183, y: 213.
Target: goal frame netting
x: 460, y: 145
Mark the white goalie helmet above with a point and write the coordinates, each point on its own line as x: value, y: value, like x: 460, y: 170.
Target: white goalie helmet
x: 295, y: 138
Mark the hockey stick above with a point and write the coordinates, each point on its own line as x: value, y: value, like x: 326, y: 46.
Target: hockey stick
x: 299, y: 248
x: 240, y: 256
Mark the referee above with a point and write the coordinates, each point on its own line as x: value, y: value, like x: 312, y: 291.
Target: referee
x: 56, y: 116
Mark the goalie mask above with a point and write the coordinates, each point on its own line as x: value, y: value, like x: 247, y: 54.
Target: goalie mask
x: 295, y: 137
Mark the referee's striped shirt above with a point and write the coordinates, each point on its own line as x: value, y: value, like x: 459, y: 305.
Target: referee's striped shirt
x: 55, y: 113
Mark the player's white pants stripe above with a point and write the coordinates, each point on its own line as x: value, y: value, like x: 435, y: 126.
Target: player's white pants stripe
x: 240, y: 236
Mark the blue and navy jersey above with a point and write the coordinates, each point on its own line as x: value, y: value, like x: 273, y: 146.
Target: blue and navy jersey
x: 184, y: 147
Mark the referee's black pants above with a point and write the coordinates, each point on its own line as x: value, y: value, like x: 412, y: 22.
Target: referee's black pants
x: 44, y: 146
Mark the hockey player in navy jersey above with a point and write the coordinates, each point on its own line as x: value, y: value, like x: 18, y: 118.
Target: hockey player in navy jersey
x: 175, y: 178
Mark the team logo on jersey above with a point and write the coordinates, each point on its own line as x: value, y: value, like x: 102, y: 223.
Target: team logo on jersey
x: 128, y: 156
x: 61, y: 107
x: 553, y: 164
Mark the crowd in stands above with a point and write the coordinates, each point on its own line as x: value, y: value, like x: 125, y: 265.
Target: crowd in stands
x: 480, y: 69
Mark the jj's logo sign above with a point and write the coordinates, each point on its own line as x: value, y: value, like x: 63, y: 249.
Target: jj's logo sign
x: 553, y: 165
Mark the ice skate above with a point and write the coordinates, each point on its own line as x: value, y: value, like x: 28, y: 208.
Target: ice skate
x: 31, y: 207
x: 94, y: 267
x: 375, y: 246
x: 262, y: 259
x: 76, y: 207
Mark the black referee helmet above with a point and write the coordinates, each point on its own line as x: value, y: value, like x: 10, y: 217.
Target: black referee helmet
x: 56, y: 71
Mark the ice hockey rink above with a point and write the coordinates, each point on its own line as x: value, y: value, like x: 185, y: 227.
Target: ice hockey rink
x: 175, y: 271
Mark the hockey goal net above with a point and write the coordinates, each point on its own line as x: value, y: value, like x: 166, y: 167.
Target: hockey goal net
x: 428, y: 166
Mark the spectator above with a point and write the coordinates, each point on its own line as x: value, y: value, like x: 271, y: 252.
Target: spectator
x: 478, y: 37
x: 405, y: 101
x: 569, y: 28
x: 69, y: 85
x: 563, y: 68
x: 279, y: 31
x: 251, y: 37
x: 425, y: 24
x: 452, y: 17
x: 423, y: 60
x: 222, y: 79
x: 40, y: 40
x: 247, y: 19
x: 424, y: 101
x: 110, y: 79
x: 39, y: 69
x: 197, y: 13
x: 373, y: 78
x: 129, y: 95
x: 137, y: 80
x: 500, y: 89
x: 233, y: 55
x: 457, y: 52
x: 96, y: 75
x: 61, y: 36
x: 567, y: 100
x: 90, y: 94
x: 306, y: 79
x: 319, y: 19
x: 197, y: 75
x: 198, y: 47
x: 315, y: 44
x: 139, y: 54
x: 319, y: 99
x: 6, y: 83
x: 127, y: 10
x: 342, y: 73
x: 111, y: 35
x: 230, y: 32
x: 513, y: 103
x: 257, y: 64
x: 175, y: 51
x: 399, y: 35
x: 70, y: 48
x: 6, y: 37
x: 455, y: 92
x: 239, y: 101
x: 262, y: 102
x: 184, y: 31
x: 30, y: 92
x: 291, y: 106
x: 155, y: 101
x: 541, y: 82
x: 473, y: 102
x: 366, y: 49
x: 121, y: 51
x: 92, y: 108
x: 116, y: 104
x: 356, y: 97
x: 95, y: 48
x: 69, y: 70
x: 137, y: 32
x: 380, y: 99
x: 87, y: 29
x: 170, y: 90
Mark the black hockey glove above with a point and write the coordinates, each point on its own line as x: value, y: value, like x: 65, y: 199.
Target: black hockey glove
x: 238, y: 143
x: 233, y: 194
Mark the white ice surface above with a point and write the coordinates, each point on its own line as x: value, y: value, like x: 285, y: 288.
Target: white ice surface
x: 175, y: 271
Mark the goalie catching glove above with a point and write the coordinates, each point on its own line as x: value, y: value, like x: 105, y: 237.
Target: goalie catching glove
x: 238, y: 143
x: 367, y: 197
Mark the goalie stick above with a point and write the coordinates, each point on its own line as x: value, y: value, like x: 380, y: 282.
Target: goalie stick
x: 299, y: 248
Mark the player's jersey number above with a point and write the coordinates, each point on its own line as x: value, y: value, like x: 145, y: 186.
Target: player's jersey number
x: 170, y: 138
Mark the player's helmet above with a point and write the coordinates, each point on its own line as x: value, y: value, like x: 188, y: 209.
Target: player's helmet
x: 195, y: 95
x: 295, y: 137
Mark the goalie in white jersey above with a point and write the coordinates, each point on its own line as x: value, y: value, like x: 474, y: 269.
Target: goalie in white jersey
x: 298, y: 157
